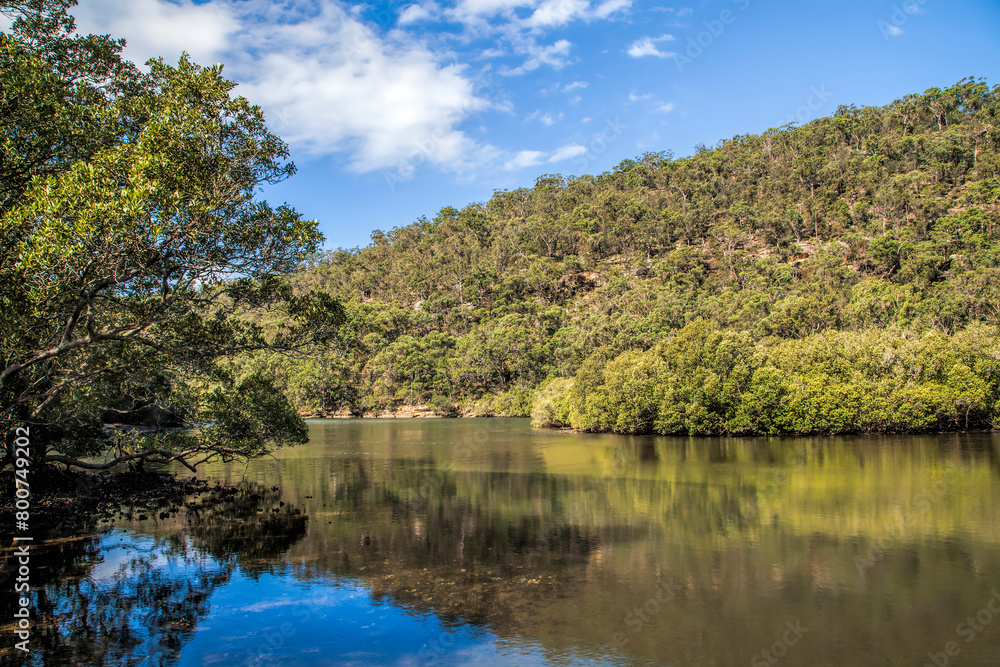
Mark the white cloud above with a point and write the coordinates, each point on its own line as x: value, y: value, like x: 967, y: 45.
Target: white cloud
x: 895, y: 30
x: 327, y: 82
x: 522, y: 22
x: 544, y: 13
x: 558, y: 12
x: 381, y: 96
x: 383, y: 103
x: 683, y: 11
x: 475, y: 12
x: 524, y: 159
x: 632, y: 97
x: 606, y: 9
x: 553, y: 55
x: 533, y: 158
x: 156, y: 28
x: 646, y: 46
x: 506, y: 106
x: 418, y: 12
x: 649, y: 141
x: 543, y: 118
x: 563, y: 88
x: 666, y: 108
x: 566, y: 152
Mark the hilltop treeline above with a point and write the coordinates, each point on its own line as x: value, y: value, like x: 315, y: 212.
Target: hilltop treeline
x: 836, y: 277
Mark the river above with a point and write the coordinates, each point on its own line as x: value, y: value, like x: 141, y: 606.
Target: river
x: 485, y: 542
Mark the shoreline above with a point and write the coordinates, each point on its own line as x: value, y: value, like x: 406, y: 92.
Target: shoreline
x: 422, y: 412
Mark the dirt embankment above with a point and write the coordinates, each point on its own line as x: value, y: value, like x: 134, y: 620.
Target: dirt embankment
x: 401, y: 412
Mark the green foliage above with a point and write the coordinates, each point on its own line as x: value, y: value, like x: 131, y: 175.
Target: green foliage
x: 136, y: 259
x: 250, y: 418
x: 706, y: 380
x: 878, y: 223
x: 551, y: 405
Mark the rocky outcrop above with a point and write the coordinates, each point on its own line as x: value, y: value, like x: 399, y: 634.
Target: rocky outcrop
x: 402, y: 412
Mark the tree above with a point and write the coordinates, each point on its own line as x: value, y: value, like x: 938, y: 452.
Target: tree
x: 136, y: 255
x: 53, y: 86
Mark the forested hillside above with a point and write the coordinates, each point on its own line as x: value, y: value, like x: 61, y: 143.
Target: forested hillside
x: 836, y: 277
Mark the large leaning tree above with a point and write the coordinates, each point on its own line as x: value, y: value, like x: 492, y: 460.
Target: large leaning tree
x: 136, y: 256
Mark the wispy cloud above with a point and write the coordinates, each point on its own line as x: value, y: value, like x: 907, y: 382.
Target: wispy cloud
x: 566, y: 152
x: 543, y: 118
x: 543, y: 13
x: 610, y: 7
x: 524, y: 159
x: 557, y: 12
x: 554, y: 55
x: 418, y: 12
x: 646, y: 46
x: 522, y: 24
x: 533, y: 158
x: 678, y: 11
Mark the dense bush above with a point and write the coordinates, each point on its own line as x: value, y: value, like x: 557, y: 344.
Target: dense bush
x: 706, y: 380
x: 753, y: 287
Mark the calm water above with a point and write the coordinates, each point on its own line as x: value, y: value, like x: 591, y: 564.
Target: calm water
x: 484, y: 542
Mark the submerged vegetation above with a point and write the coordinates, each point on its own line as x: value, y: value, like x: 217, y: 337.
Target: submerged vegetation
x: 842, y: 276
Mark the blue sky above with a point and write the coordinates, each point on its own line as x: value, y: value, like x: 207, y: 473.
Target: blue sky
x: 394, y: 110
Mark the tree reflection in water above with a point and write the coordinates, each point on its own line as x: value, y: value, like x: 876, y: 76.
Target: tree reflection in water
x: 130, y: 597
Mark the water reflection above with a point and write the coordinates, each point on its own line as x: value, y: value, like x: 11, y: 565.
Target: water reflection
x: 248, y: 526
x: 564, y: 538
x: 470, y: 542
x: 135, y: 595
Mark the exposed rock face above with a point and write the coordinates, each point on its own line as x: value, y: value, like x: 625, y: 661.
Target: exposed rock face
x: 402, y: 412
x: 582, y: 281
